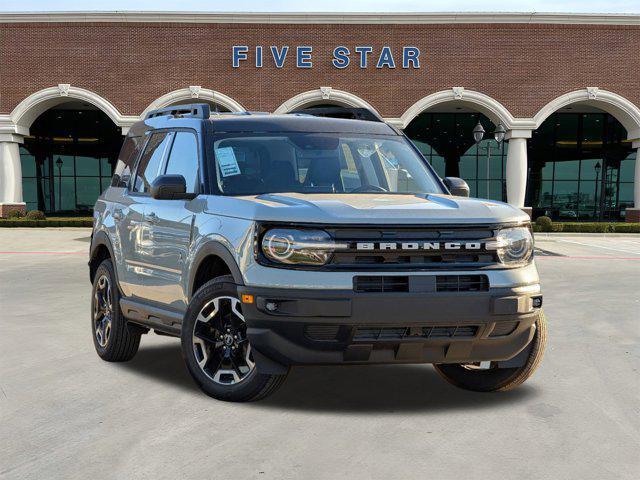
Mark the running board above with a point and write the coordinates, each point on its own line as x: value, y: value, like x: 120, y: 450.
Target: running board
x: 166, y: 321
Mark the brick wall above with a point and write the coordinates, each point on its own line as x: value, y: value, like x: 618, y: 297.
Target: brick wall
x: 522, y: 66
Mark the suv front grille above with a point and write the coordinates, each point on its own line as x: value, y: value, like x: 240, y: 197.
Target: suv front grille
x: 381, y: 334
x: 411, y: 258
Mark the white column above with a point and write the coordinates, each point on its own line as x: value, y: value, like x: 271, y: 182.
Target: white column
x: 517, y: 166
x: 10, y: 174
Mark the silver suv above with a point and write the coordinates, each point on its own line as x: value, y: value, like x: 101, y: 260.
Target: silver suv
x: 268, y: 241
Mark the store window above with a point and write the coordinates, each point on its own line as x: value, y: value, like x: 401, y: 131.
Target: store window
x: 580, y: 168
x: 67, y: 160
x: 446, y: 141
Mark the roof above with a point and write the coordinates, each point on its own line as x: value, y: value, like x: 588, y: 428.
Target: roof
x: 297, y: 123
x: 247, y: 122
x: 414, y: 18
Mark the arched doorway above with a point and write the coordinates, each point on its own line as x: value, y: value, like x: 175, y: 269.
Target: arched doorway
x: 68, y: 157
x: 214, y: 106
x: 581, y: 166
x: 444, y: 135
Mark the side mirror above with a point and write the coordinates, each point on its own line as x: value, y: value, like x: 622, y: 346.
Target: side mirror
x: 170, y: 187
x: 457, y: 186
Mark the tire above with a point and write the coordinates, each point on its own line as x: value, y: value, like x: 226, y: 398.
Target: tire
x: 113, y: 338
x: 216, y: 349
x: 498, y: 379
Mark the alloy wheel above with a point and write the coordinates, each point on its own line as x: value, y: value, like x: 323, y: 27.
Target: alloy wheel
x: 102, y: 310
x: 220, y: 343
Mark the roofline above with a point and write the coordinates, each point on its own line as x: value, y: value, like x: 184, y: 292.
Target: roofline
x: 321, y: 18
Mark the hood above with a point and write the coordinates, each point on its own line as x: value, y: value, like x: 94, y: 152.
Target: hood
x: 365, y: 208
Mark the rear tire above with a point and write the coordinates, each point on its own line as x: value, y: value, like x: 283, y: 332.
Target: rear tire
x: 216, y: 349
x: 113, y: 338
x: 498, y: 379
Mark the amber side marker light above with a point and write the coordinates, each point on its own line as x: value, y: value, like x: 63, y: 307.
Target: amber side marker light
x: 247, y: 298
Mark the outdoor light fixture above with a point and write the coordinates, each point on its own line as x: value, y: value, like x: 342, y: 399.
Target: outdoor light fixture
x: 499, y: 133
x: 478, y: 132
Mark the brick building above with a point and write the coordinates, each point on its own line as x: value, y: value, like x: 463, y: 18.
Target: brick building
x: 565, y: 88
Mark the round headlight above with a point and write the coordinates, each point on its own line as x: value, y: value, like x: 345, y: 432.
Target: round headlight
x: 514, y: 245
x: 301, y: 247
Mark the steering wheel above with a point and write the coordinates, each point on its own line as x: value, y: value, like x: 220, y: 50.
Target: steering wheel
x: 368, y: 188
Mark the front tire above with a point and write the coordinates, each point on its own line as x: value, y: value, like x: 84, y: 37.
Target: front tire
x: 113, y: 338
x: 493, y: 379
x: 216, y: 349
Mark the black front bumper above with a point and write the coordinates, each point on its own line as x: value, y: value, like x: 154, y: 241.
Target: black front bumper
x: 345, y: 327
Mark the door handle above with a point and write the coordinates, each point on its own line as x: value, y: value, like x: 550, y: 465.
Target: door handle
x: 117, y: 215
x: 152, y: 217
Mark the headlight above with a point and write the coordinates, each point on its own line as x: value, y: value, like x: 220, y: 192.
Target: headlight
x: 298, y: 247
x: 514, y: 246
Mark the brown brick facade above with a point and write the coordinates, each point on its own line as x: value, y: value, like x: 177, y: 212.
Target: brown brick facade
x: 523, y: 66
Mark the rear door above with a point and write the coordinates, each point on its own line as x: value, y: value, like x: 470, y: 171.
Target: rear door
x: 170, y: 224
x: 134, y: 231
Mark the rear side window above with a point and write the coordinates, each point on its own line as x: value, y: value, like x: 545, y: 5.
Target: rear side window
x: 151, y: 161
x: 183, y: 159
x: 129, y: 152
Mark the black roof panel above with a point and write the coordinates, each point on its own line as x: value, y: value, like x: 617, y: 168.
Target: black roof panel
x: 296, y: 123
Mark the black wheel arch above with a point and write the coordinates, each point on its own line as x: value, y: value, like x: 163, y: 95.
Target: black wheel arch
x: 100, y: 249
x: 213, y: 249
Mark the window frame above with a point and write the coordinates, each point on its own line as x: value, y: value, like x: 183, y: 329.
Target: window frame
x: 165, y: 162
x: 149, y: 134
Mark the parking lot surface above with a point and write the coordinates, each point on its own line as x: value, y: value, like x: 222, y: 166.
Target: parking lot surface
x: 66, y: 414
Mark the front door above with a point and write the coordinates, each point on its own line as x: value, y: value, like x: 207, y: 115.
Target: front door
x: 170, y: 223
x: 135, y: 231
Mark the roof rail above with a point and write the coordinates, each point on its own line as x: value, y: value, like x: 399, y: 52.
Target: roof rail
x: 242, y: 113
x: 338, y: 111
x: 195, y: 110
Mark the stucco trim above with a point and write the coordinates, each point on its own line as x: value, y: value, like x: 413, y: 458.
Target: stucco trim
x: 26, y: 112
x: 324, y: 95
x: 414, y: 18
x: 622, y: 109
x: 196, y: 94
x: 485, y: 104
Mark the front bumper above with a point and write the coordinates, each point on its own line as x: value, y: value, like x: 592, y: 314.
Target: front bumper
x: 345, y: 327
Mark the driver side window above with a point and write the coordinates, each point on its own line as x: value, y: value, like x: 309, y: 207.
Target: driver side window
x: 151, y: 161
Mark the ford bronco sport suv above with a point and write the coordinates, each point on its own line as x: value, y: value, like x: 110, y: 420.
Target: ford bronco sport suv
x: 268, y: 241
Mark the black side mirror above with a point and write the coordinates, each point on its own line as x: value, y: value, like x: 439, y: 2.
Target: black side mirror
x: 457, y: 186
x: 170, y: 187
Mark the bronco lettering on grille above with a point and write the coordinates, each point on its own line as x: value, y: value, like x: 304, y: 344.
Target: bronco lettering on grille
x: 418, y: 246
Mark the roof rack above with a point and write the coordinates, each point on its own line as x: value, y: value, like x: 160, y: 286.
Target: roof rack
x: 337, y: 111
x: 196, y: 110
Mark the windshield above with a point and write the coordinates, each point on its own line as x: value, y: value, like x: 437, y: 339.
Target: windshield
x: 319, y: 163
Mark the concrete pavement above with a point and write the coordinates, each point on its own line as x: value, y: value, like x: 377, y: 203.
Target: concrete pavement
x: 66, y: 414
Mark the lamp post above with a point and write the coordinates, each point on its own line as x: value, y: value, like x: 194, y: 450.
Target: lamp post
x: 498, y: 136
x: 59, y: 165
x: 597, y: 168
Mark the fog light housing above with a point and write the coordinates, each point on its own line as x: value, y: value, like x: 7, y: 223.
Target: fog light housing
x: 536, y: 302
x: 271, y: 306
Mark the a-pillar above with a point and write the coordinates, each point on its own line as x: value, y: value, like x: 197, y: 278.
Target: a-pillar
x: 10, y: 174
x: 517, y: 168
x: 633, y: 214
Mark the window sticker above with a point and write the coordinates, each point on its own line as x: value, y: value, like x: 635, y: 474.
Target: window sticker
x: 227, y: 162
